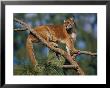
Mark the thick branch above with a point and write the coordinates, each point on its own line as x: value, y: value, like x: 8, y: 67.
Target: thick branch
x: 62, y: 52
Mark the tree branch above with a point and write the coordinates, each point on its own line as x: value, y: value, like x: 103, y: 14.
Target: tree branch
x: 20, y: 29
x: 88, y: 53
x: 67, y: 66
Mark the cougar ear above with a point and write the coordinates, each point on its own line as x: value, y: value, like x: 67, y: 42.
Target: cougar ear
x: 71, y: 18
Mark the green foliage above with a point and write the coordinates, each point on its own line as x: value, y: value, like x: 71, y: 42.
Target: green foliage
x: 50, y: 66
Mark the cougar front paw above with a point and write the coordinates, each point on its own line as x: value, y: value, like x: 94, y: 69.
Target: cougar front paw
x: 77, y: 52
x: 54, y: 44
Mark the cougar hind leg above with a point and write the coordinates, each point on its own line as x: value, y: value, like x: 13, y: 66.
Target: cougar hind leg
x: 30, y: 50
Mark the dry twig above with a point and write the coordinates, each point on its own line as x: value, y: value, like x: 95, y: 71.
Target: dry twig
x: 88, y: 53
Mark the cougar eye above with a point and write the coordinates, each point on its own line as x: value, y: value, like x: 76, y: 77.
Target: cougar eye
x: 68, y: 22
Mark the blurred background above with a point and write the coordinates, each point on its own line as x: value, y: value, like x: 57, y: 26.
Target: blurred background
x: 86, y: 40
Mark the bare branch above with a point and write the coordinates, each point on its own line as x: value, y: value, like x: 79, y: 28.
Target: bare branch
x: 88, y: 53
x: 68, y: 66
x: 20, y: 29
x: 23, y: 24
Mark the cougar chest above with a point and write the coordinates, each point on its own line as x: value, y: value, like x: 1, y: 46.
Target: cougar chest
x: 73, y: 35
